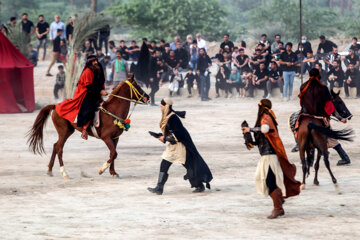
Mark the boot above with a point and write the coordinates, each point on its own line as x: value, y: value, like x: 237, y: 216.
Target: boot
x: 160, y: 185
x: 276, y: 196
x: 345, y: 160
x: 199, y: 188
x: 295, y: 148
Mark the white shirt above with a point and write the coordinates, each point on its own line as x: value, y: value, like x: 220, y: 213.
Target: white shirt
x: 201, y: 43
x: 53, y: 30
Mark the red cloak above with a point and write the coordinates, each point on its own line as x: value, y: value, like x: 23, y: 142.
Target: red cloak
x: 70, y: 108
x: 291, y: 184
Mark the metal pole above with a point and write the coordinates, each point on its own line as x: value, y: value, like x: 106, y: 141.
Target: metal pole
x: 301, y: 73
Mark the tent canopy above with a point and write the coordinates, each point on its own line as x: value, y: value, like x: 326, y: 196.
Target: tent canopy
x: 16, y: 79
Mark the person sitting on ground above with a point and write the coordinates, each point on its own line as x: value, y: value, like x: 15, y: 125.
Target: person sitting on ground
x: 189, y: 78
x: 33, y: 55
x: 262, y: 76
x: 172, y: 62
x: 56, y: 52
x: 182, y: 56
x: 221, y: 82
x: 334, y: 56
x: 276, y: 54
x: 256, y: 60
x: 234, y: 82
x: 275, y: 79
x: 336, y: 76
x: 352, y: 79
x: 242, y: 61
x: 309, y: 62
x: 352, y: 58
x: 60, y: 81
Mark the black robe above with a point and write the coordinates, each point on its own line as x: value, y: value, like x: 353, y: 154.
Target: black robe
x: 197, y: 170
x: 92, y: 99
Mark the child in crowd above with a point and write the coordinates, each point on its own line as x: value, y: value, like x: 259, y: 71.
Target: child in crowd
x: 60, y: 81
x: 175, y: 82
x: 234, y: 81
x: 189, y: 78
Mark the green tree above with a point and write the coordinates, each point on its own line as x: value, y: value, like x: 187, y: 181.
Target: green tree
x: 156, y: 19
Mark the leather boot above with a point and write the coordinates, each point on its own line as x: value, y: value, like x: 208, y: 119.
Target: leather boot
x: 160, y: 185
x: 345, y: 160
x: 276, y: 196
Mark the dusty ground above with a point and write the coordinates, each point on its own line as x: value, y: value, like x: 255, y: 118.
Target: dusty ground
x: 89, y: 206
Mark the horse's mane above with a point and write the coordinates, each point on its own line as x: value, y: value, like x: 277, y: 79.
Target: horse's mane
x: 115, y: 91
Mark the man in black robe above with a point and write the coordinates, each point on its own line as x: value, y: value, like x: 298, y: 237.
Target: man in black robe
x: 180, y: 149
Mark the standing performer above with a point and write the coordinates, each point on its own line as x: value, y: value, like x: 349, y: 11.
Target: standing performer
x: 87, y: 97
x: 275, y: 175
x: 180, y: 149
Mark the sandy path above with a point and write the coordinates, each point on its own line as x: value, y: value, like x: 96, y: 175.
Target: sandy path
x: 35, y: 206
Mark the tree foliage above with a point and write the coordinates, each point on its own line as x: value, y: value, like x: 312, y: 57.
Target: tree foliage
x: 158, y: 19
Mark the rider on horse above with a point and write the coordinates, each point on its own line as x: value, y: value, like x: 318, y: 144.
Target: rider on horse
x: 275, y: 175
x: 316, y: 101
x: 87, y: 97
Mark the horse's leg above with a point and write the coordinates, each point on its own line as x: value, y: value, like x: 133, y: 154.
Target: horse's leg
x: 52, y: 160
x: 112, y: 164
x: 113, y: 154
x: 317, y: 164
x: 327, y: 164
x: 60, y: 146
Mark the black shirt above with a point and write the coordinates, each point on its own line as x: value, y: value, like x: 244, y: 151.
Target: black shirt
x: 352, y: 60
x: 339, y: 74
x: 288, y: 58
x: 307, y: 47
x: 257, y: 58
x: 230, y: 44
x: 105, y: 32
x: 354, y: 76
x: 69, y: 30
x: 134, y: 55
x: 275, y: 74
x: 189, y: 78
x: 26, y: 27
x: 172, y: 62
x: 261, y: 75
x: 355, y: 48
x: 241, y: 60
x: 203, y: 63
x: 42, y: 28
x: 123, y: 52
x: 327, y: 46
x: 182, y: 57
x: 57, y: 44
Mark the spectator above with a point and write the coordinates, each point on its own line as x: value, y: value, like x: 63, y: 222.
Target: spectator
x: 224, y: 60
x: 203, y: 64
x: 182, y: 57
x: 56, y: 52
x: 227, y: 43
x: 60, y: 81
x: 99, y: 54
x: 166, y: 53
x: 309, y: 62
x: 221, y: 82
x: 124, y: 50
x: 352, y: 58
x: 189, y: 79
x: 33, y: 55
x: 63, y: 48
x: 275, y: 44
x: 88, y: 49
x: 3, y: 28
x: 104, y: 63
x: 265, y: 53
x: 93, y: 39
x: 355, y: 46
x: 249, y: 84
x: 201, y: 42
x: 276, y: 54
x: 12, y: 23
x: 173, y: 44
x: 242, y: 61
x: 262, y: 76
x: 352, y: 79
x: 336, y: 76
x: 27, y: 26
x: 119, y: 69
x: 186, y: 45
x: 152, y: 47
x: 104, y: 35
x: 194, y: 55
x: 133, y: 51
x: 54, y: 26
x: 323, y: 74
x: 306, y: 45
x: 172, y: 62
x: 275, y: 79
x: 301, y: 57
x: 42, y: 29
x: 69, y: 30
x: 242, y: 45
x: 161, y: 71
x: 256, y: 60
x: 327, y: 47
x: 153, y: 77
x: 234, y: 54
x: 265, y: 42
x: 198, y: 81
x: 162, y: 46
x: 175, y: 82
x: 333, y: 57
x: 234, y: 82
x: 288, y: 61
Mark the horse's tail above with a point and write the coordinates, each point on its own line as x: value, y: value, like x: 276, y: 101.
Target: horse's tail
x: 344, y: 134
x: 35, y: 134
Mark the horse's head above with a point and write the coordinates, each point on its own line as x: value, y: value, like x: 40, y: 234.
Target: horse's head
x: 340, y: 105
x: 138, y: 93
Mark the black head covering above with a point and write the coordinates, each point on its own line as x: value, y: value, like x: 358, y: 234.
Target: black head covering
x: 179, y: 113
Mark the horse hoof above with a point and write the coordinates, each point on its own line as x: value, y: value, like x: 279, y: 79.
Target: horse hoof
x: 336, y: 186
x: 316, y: 183
x: 334, y: 181
x: 116, y: 176
x: 302, y: 187
x: 49, y: 173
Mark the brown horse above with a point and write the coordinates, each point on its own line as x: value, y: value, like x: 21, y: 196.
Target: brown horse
x: 313, y: 133
x: 114, y: 111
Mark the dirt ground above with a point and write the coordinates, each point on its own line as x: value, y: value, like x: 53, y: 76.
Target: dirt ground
x: 89, y: 206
